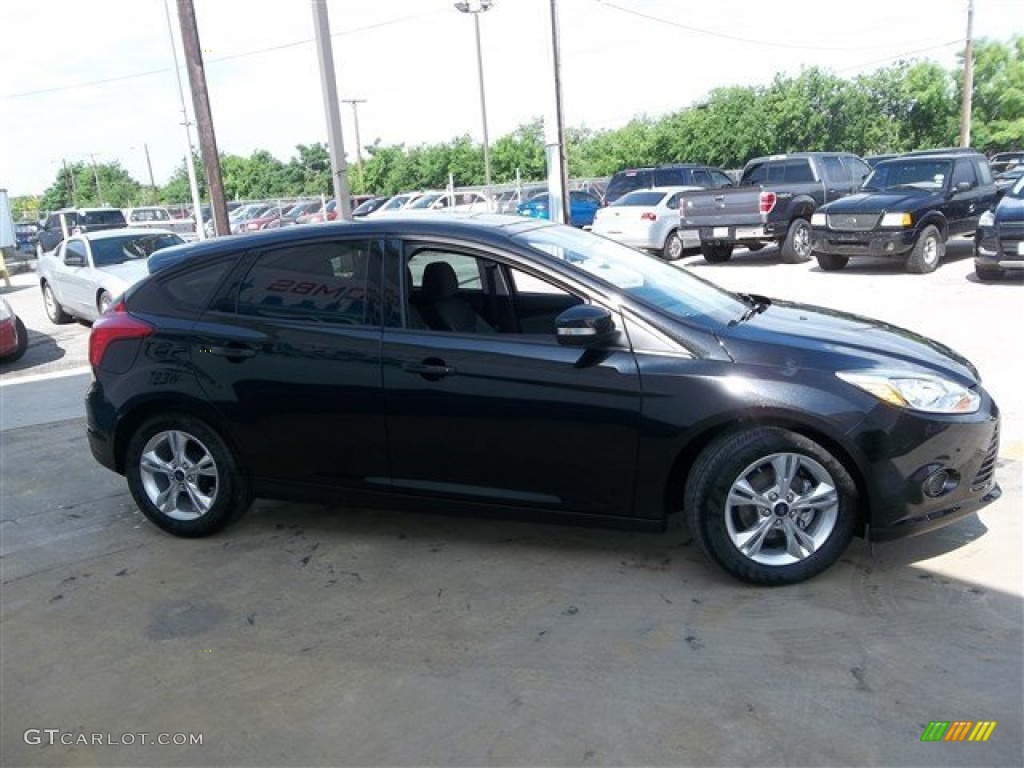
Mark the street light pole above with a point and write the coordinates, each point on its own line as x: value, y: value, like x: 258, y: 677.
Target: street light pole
x: 476, y: 7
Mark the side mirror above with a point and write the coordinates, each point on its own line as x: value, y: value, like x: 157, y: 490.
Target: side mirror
x: 584, y: 326
x: 963, y: 186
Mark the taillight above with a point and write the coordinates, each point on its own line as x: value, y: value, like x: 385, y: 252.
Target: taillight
x: 648, y: 216
x: 766, y: 202
x: 114, y: 325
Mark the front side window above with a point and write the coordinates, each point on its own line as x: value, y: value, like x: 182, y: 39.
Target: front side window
x: 963, y: 172
x: 324, y: 282
x: 834, y: 169
x: 75, y: 250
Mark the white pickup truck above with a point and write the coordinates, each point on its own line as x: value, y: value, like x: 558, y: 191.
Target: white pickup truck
x: 158, y: 217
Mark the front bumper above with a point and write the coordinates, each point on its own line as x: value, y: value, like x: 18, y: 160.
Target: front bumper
x: 906, y: 450
x: 999, y: 248
x: 869, y: 243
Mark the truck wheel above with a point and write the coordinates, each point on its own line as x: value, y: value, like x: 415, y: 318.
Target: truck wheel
x: 928, y: 252
x: 716, y: 254
x: 831, y: 262
x: 796, y: 248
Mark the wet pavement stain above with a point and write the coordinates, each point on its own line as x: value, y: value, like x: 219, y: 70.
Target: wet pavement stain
x: 184, y: 618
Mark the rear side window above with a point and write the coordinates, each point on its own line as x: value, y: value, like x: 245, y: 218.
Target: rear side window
x: 325, y: 282
x: 104, y: 218
x: 626, y: 181
x: 182, y: 294
x: 797, y: 170
x: 670, y: 177
x: 700, y: 178
x: 834, y: 169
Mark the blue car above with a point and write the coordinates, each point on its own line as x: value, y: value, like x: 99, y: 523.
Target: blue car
x: 582, y: 207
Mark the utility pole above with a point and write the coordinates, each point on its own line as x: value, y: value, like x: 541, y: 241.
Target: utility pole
x: 149, y: 165
x: 69, y: 173
x: 204, y: 116
x: 96, y: 175
x: 359, y: 145
x: 965, y: 107
x: 329, y: 86
x: 190, y: 162
x: 558, y: 171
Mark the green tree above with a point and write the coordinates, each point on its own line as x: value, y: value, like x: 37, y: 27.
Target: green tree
x: 77, y: 185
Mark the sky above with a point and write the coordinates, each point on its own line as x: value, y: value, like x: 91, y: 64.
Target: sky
x: 84, y: 80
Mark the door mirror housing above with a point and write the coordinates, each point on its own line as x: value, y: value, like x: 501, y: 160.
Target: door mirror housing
x: 585, y: 326
x: 963, y: 186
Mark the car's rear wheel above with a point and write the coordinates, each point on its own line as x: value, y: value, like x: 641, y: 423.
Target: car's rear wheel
x: 831, y: 262
x: 770, y: 506
x: 184, y: 477
x: 716, y: 254
x: 673, y: 246
x: 927, y: 253
x: 54, y: 310
x: 796, y: 248
x: 988, y: 274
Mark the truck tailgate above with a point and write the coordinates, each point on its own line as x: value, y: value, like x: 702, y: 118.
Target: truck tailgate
x: 721, y: 207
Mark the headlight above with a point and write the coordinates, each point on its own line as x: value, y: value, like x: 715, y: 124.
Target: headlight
x: 988, y: 219
x: 897, y: 220
x: 916, y: 391
x: 819, y: 220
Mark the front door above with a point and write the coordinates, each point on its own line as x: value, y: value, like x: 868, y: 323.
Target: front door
x: 484, y: 404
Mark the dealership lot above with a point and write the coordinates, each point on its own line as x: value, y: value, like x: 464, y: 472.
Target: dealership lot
x: 331, y: 635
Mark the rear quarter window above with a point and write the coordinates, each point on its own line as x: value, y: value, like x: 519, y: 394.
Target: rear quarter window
x: 182, y: 293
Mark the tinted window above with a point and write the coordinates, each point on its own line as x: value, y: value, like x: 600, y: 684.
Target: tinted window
x: 115, y: 250
x: 149, y: 214
x: 756, y: 173
x: 857, y: 168
x: 834, y: 169
x: 912, y: 173
x: 583, y: 197
x: 626, y: 181
x: 700, y: 178
x: 797, y: 170
x: 104, y: 218
x: 643, y: 197
x: 188, y: 290
x: 963, y: 171
x: 75, y: 248
x: 720, y: 180
x: 321, y: 282
x: 984, y: 173
x: 669, y: 177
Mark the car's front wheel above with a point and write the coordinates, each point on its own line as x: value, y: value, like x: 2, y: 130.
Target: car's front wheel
x: 831, y: 262
x: 54, y: 310
x: 770, y: 506
x: 184, y: 477
x: 928, y: 252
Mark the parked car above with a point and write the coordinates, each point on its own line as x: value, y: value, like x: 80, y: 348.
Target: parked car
x: 25, y: 235
x: 452, y: 201
x: 88, y: 271
x: 304, y: 208
x: 242, y: 216
x: 999, y: 239
x: 328, y: 212
x: 773, y: 203
x: 396, y: 203
x: 1006, y: 161
x: 1005, y: 180
x: 675, y: 175
x: 906, y: 209
x: 369, y: 206
x: 582, y: 207
x: 74, y: 221
x: 514, y: 364
x: 510, y: 199
x: 268, y: 219
x: 13, y: 335
x: 158, y: 217
x: 648, y: 219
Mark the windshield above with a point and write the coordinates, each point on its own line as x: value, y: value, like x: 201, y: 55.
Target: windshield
x: 116, y: 250
x: 104, y: 218
x: 914, y: 174
x: 673, y: 291
x: 644, y: 197
x: 424, y: 202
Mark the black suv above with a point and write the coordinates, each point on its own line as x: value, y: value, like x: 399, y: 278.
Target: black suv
x: 675, y: 175
x: 907, y: 209
x: 76, y: 220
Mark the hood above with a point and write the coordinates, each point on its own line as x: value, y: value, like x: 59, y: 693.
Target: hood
x: 128, y: 272
x: 876, y: 202
x: 802, y: 336
x: 1010, y: 210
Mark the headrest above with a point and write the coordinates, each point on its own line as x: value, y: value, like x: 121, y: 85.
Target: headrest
x: 439, y: 281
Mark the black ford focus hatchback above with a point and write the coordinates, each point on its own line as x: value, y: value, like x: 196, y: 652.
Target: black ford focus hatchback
x: 487, y: 362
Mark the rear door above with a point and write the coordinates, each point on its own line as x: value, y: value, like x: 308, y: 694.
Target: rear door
x: 504, y: 414
x: 290, y: 355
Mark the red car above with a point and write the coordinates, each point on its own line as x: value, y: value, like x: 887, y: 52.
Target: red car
x: 13, y: 336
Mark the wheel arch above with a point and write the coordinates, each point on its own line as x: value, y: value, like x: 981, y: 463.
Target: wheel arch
x: 933, y: 219
x: 801, y: 208
x: 686, y: 456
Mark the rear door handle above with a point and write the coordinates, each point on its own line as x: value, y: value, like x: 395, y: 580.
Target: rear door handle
x: 430, y: 369
x: 230, y: 351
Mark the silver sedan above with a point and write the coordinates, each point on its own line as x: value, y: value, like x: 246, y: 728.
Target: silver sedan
x: 648, y: 219
x: 85, y: 273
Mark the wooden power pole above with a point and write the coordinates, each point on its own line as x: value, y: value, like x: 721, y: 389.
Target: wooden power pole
x: 965, y: 105
x: 204, y: 117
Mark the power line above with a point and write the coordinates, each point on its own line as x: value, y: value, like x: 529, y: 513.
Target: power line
x: 735, y: 38
x: 244, y: 54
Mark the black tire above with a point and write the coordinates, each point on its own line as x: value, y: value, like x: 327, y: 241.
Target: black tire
x: 987, y: 275
x: 22, y: 345
x: 796, y: 248
x: 928, y: 252
x: 774, y: 524
x: 716, y: 254
x: 752, y: 247
x: 831, y: 262
x: 54, y: 310
x: 673, y: 246
x: 103, y: 301
x: 197, y: 503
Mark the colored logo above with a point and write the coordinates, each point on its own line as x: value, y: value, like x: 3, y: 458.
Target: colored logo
x: 958, y: 730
